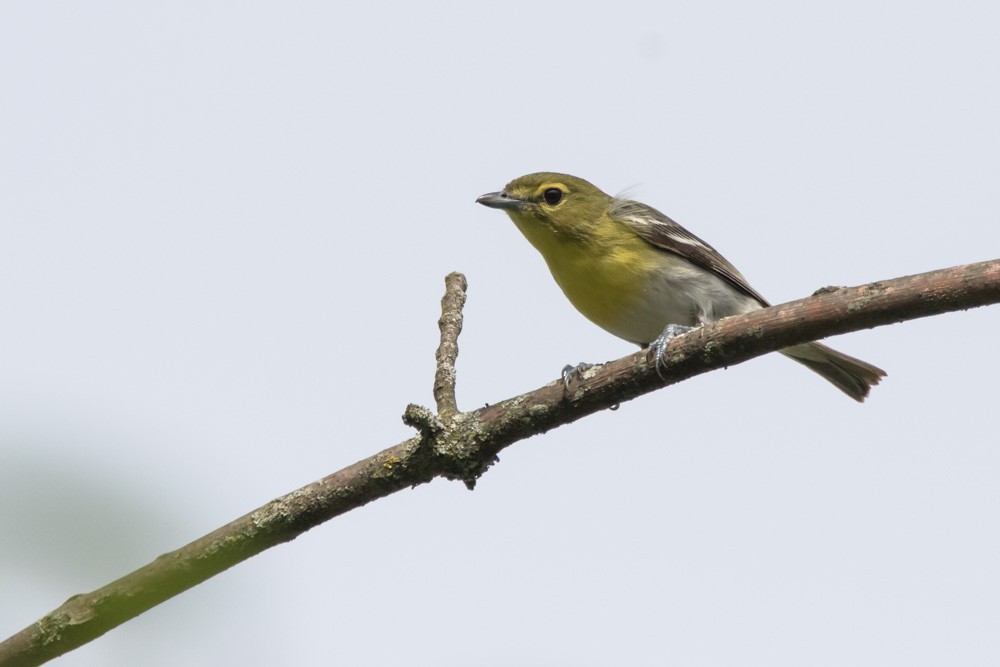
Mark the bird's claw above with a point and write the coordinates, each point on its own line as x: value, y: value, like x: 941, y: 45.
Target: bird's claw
x: 659, y: 346
x: 570, y: 373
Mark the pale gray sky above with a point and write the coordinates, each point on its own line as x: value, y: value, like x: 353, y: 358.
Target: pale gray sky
x: 224, y: 229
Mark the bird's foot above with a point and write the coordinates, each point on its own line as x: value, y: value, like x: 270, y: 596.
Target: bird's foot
x: 659, y: 346
x: 570, y: 373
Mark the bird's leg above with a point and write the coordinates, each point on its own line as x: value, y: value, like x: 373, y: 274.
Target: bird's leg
x: 574, y: 372
x: 659, y: 346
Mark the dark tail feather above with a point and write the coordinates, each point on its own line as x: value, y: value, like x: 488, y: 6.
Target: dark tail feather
x: 852, y: 376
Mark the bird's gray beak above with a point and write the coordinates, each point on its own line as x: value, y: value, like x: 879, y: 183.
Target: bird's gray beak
x: 501, y: 200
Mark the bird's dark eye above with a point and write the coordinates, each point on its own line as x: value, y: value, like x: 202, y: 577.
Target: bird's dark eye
x: 552, y: 196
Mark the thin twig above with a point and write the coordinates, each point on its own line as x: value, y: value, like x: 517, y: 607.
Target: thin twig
x: 450, y: 324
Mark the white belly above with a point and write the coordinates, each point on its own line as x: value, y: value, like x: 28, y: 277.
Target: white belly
x: 681, y: 294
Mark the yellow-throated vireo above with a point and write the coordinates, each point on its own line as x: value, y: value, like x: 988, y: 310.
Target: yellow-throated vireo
x: 641, y: 276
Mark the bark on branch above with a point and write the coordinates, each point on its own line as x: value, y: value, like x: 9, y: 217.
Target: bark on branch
x: 462, y: 445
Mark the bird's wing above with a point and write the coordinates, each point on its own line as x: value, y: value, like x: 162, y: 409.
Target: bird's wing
x: 662, y: 232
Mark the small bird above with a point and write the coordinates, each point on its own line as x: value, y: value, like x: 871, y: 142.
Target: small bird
x: 639, y: 275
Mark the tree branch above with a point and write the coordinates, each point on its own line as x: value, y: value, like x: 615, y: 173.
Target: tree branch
x: 463, y: 445
x: 450, y: 325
